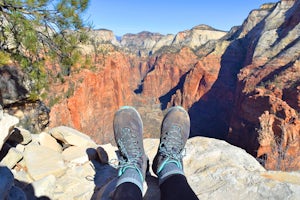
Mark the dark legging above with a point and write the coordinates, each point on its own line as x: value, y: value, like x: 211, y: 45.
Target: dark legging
x: 128, y: 191
x: 173, y: 188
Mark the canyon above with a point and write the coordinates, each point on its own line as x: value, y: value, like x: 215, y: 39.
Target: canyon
x: 242, y: 86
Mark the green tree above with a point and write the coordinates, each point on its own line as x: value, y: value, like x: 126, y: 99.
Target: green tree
x: 32, y: 31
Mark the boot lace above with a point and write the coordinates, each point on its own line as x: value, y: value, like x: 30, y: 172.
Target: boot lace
x: 172, y: 144
x: 131, y: 153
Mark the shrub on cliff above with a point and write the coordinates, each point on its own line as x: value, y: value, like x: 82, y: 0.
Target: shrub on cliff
x: 278, y: 151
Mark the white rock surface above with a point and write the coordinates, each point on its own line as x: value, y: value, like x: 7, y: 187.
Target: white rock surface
x: 12, y: 157
x: 1, y: 112
x: 45, y: 139
x: 7, y: 123
x: 76, y: 155
x: 45, y: 186
x: 218, y: 170
x: 77, y: 181
x: 42, y: 161
x: 71, y: 136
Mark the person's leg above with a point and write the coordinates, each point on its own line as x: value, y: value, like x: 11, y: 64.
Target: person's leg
x: 128, y: 132
x: 128, y: 191
x: 167, y: 164
x: 176, y: 187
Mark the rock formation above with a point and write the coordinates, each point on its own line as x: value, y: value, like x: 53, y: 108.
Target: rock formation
x: 14, y: 99
x: 13, y: 85
x: 95, y: 98
x: 142, y: 43
x: 63, y: 163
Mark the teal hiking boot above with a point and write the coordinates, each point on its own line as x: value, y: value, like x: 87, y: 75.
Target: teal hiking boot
x: 175, y: 131
x: 128, y: 133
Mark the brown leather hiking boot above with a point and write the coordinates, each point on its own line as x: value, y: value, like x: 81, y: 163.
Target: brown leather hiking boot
x: 175, y: 131
x: 128, y: 133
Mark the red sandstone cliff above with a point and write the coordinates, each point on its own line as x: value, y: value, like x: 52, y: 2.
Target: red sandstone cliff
x: 96, y: 96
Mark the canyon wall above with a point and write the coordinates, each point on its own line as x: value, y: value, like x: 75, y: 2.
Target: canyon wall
x: 269, y: 81
x: 133, y: 73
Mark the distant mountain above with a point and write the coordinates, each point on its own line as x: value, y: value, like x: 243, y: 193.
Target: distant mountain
x: 145, y: 43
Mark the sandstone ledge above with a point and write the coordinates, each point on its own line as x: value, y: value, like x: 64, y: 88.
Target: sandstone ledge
x: 214, y: 169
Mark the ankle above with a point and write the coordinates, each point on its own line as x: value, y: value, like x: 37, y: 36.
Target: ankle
x: 131, y: 175
x: 168, y: 169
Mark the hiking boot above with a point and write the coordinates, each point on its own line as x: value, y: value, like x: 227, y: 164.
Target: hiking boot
x: 175, y: 131
x: 128, y: 133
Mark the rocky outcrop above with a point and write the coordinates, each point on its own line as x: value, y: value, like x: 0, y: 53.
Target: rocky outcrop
x: 33, y: 115
x: 13, y: 85
x: 167, y: 72
x: 197, y: 36
x: 280, y: 152
x: 291, y: 95
x: 98, y: 38
x: 103, y: 35
x: 65, y: 168
x: 7, y: 124
x: 141, y: 43
x: 77, y: 168
x: 14, y: 99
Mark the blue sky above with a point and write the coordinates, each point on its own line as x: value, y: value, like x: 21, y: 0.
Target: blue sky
x: 168, y: 16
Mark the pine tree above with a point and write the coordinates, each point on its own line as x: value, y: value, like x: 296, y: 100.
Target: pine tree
x: 32, y: 31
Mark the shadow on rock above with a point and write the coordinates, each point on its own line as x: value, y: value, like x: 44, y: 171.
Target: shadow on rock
x: 106, y: 178
x: 11, y: 188
x: 29, y: 191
